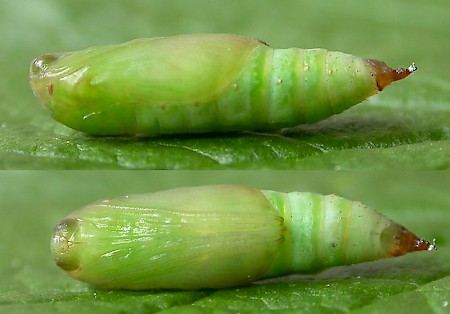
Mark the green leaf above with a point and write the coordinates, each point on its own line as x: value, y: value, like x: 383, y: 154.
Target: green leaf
x: 407, y: 126
x: 33, y: 202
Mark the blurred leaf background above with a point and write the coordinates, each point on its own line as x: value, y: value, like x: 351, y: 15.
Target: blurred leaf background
x: 33, y: 202
x: 405, y: 127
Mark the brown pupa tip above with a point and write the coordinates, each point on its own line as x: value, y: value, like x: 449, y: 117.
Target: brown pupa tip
x: 406, y: 242
x: 386, y: 75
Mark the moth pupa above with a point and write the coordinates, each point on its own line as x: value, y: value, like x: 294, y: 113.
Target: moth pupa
x: 220, y: 236
x: 202, y: 83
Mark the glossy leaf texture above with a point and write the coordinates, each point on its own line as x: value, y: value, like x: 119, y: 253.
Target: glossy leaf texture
x: 404, y: 127
x: 32, y: 202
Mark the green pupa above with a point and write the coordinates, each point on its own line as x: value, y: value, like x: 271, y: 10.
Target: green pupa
x: 220, y: 236
x: 202, y: 83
